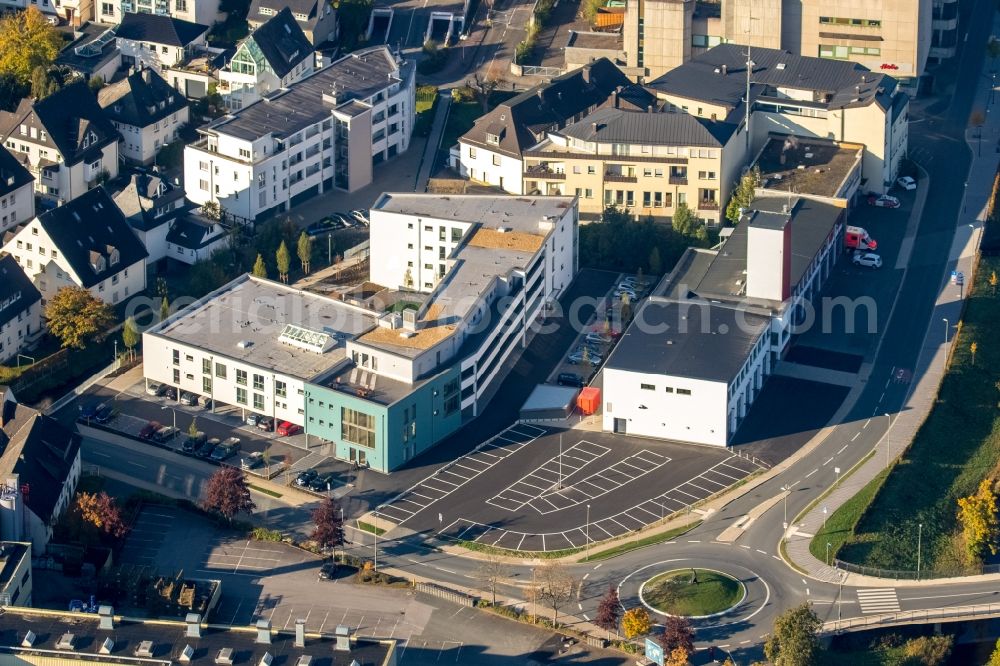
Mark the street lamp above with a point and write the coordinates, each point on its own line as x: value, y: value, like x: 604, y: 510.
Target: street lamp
x: 920, y: 530
x: 786, y: 490
x: 587, y: 554
x: 175, y: 414
x: 888, y: 425
x: 947, y: 327
x: 534, y: 609
x: 827, y: 553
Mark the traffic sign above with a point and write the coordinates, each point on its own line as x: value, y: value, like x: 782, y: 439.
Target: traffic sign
x: 654, y: 652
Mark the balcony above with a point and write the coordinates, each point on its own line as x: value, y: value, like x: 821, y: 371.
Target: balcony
x: 708, y: 204
x: 611, y: 177
x: 544, y: 172
x: 677, y: 179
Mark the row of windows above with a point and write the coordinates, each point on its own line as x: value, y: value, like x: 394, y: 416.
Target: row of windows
x: 845, y: 52
x: 666, y: 389
x: 854, y: 22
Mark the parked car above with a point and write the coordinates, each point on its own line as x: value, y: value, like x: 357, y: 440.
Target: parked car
x: 327, y: 571
x: 883, y: 201
x: 577, y: 357
x: 226, y: 449
x: 907, y: 183
x: 321, y: 484
x: 305, y: 477
x: 155, y: 389
x: 265, y: 423
x: 149, y: 429
x: 867, y: 259
x: 569, y: 379
x: 206, y: 403
x: 252, y: 461
x: 193, y: 442
x: 619, y: 292
x: 105, y: 414
x: 347, y: 220
x: 208, y: 447
x: 361, y: 216
x: 592, y: 349
x: 188, y: 398
x: 165, y: 434
x: 170, y: 392
x: 252, y: 419
x: 287, y: 429
x: 596, y: 338
x: 88, y: 410
x: 322, y: 227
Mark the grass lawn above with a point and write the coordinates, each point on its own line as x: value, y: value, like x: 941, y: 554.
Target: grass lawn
x: 680, y: 593
x: 633, y: 544
x: 462, y: 116
x: 525, y: 554
x: 368, y: 527
x: 957, y: 447
x: 840, y: 526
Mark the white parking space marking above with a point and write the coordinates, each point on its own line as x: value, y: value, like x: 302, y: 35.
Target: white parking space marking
x: 615, y: 476
x: 547, y: 475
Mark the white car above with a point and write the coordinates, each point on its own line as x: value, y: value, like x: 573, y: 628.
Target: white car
x: 867, y: 259
x: 883, y: 201
x: 626, y: 291
x: 907, y: 183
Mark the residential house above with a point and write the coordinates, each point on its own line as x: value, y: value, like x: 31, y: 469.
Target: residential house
x: 65, y: 140
x: 147, y: 112
x: 39, y: 470
x: 151, y: 205
x: 193, y: 238
x: 156, y: 40
x: 329, y: 130
x: 275, y: 56
x: 204, y: 12
x: 87, y: 243
x: 491, y: 152
x: 17, y: 198
x: 93, y: 53
x: 20, y: 310
x: 317, y: 18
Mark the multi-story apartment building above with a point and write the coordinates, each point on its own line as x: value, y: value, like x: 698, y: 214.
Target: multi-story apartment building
x: 327, y: 131
x: 275, y: 56
x: 645, y: 162
x: 895, y: 36
x: 205, y: 12
x: 317, y: 19
x: 85, y: 243
x: 17, y: 198
x: 800, y: 95
x: 65, y: 140
x: 20, y: 310
x: 381, y: 381
x: 147, y: 112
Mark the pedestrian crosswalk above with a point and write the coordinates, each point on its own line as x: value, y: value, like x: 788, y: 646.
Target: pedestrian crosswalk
x: 878, y: 600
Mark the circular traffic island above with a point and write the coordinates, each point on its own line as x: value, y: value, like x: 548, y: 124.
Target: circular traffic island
x: 694, y: 593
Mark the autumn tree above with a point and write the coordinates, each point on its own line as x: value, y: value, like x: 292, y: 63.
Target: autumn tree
x: 43, y: 83
x: 677, y: 634
x: 228, y: 494
x: 74, y: 315
x: 130, y: 336
x: 164, y: 308
x: 211, y: 210
x: 609, y: 611
x: 193, y: 428
x: 636, y: 622
x: 328, y: 524
x: 304, y: 250
x: 100, y: 511
x: 993, y: 282
x: 555, y: 587
x: 284, y: 261
x: 977, y: 514
x: 259, y: 267
x: 794, y: 641
x: 684, y: 220
x: 743, y: 195
x: 491, y: 572
x: 27, y: 41
x: 677, y: 657
x: 973, y: 348
x: 484, y: 85
x: 995, y: 656
x: 928, y: 650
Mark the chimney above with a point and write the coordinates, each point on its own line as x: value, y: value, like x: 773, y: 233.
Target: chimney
x: 614, y: 99
x: 107, y: 617
x: 769, y: 257
x: 193, y: 621
x: 649, y: 109
x: 585, y: 73
x: 263, y: 632
x: 300, y: 633
x: 725, y: 70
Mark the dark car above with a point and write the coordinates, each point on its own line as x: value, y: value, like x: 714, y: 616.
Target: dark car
x: 206, y: 449
x: 265, y: 423
x: 324, y: 226
x: 321, y: 484
x: 305, y: 477
x: 170, y: 392
x: 165, y: 434
x: 89, y: 410
x: 252, y: 461
x: 227, y: 449
x: 192, y: 442
x: 149, y: 430
x: 188, y: 398
x: 327, y: 571
x: 105, y: 414
x: 569, y: 379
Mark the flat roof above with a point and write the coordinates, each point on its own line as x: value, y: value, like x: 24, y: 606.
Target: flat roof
x: 686, y: 274
x: 13, y: 554
x: 807, y: 166
x: 693, y: 339
x: 169, y: 639
x: 548, y: 396
x: 611, y: 41
x: 516, y: 213
x: 369, y: 385
x: 244, y: 319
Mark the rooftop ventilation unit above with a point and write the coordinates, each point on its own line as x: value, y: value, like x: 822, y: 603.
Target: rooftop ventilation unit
x: 263, y: 633
x: 144, y: 649
x: 107, y: 646
x: 193, y: 621
x: 29, y: 639
x: 343, y: 638
x: 107, y: 617
x: 244, y: 344
x: 225, y: 657
x: 304, y: 660
x: 300, y: 638
x: 266, y: 659
x: 66, y: 642
x: 186, y: 654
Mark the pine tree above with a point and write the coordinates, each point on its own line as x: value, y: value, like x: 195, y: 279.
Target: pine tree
x: 259, y: 268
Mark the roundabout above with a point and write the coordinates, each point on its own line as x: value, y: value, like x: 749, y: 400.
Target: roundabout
x: 694, y: 593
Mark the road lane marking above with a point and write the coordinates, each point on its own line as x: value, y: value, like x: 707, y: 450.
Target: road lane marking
x: 811, y: 473
x: 856, y: 436
x: 842, y: 449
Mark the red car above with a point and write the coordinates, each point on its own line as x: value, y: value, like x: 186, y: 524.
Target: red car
x: 149, y: 430
x: 286, y: 429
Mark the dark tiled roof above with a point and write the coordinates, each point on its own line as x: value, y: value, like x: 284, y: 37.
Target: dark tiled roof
x: 89, y: 227
x: 693, y: 339
x: 549, y: 106
x: 308, y: 8
x: 145, y: 193
x: 637, y: 127
x: 719, y: 76
x: 140, y: 99
x: 159, y: 29
x: 41, y: 451
x: 68, y: 117
x: 13, y: 175
x: 282, y: 42
x: 192, y: 234
x: 17, y: 293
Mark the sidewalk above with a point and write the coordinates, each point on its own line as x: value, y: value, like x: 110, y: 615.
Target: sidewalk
x: 430, y: 155
x: 930, y: 368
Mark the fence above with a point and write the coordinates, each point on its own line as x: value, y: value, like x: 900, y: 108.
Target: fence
x: 912, y: 575
x: 459, y: 598
x: 953, y: 614
x: 539, y: 70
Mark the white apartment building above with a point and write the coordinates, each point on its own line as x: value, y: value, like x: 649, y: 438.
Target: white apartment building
x: 327, y: 131
x: 64, y: 140
x: 700, y: 348
x: 205, y: 12
x: 151, y: 205
x: 85, y: 243
x: 274, y: 56
x: 147, y: 112
x: 17, y: 198
x: 20, y: 310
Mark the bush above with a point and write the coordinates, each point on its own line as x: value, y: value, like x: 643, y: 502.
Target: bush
x: 463, y: 94
x: 264, y: 534
x: 435, y: 58
x: 522, y: 52
x: 928, y: 650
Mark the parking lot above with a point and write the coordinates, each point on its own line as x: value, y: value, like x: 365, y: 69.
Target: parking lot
x: 528, y: 496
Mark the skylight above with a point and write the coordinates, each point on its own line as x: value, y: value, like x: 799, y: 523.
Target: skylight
x: 303, y: 338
